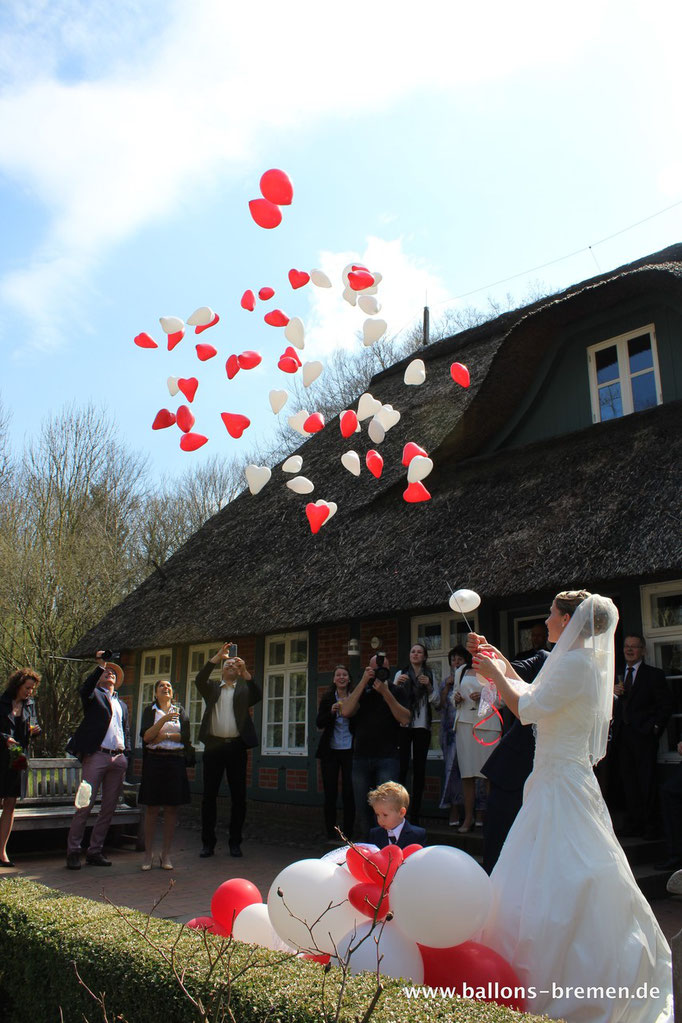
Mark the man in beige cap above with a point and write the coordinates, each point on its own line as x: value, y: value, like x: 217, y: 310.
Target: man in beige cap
x: 102, y: 743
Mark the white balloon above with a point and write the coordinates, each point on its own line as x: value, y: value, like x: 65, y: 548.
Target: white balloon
x: 344, y: 273
x: 301, y: 485
x: 415, y: 373
x: 350, y: 296
x: 388, y: 417
x: 419, y: 468
x: 295, y: 332
x: 172, y: 385
x: 252, y: 926
x: 376, y: 431
x: 296, y: 422
x: 464, y: 601
x: 372, y: 330
x: 331, y: 506
x: 278, y: 400
x: 400, y: 956
x: 378, y: 278
x: 257, y: 476
x: 201, y: 316
x: 311, y: 371
x: 369, y: 304
x: 171, y: 324
x: 312, y: 890
x: 440, y: 896
x: 292, y: 464
x: 319, y: 278
x: 368, y: 406
x: 351, y: 460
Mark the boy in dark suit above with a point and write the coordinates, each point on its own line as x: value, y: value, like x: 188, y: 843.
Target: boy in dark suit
x: 390, y: 802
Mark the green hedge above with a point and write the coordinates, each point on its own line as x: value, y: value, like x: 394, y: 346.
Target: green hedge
x: 43, y: 932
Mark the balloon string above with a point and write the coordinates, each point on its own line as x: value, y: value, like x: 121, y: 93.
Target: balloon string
x: 479, y: 724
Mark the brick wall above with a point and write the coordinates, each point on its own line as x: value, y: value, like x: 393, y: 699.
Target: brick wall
x: 268, y: 777
x: 296, y: 779
x: 332, y: 646
x: 387, y: 631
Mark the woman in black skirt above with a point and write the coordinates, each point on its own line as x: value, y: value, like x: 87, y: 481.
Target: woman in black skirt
x: 18, y: 724
x: 165, y: 733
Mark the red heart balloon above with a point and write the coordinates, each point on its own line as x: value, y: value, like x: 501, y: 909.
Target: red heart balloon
x: 314, y: 423
x: 383, y: 865
x: 360, y: 279
x: 266, y: 214
x: 145, y: 341
x: 410, y: 450
x: 201, y: 327
x: 248, y: 360
x: 416, y: 492
x: 248, y: 301
x: 298, y: 278
x: 409, y: 849
x: 348, y: 423
x: 276, y: 318
x: 323, y: 959
x: 265, y: 294
x: 292, y: 354
x: 367, y: 899
x: 207, y: 923
x: 473, y: 966
x: 317, y: 515
x: 374, y: 462
x: 235, y: 423
x: 460, y: 374
x: 175, y: 338
x: 205, y: 352
x: 276, y: 186
x: 232, y: 367
x: 359, y: 266
x: 355, y: 862
x: 188, y: 386
x: 163, y: 419
x: 185, y: 419
x: 287, y: 364
x: 192, y: 441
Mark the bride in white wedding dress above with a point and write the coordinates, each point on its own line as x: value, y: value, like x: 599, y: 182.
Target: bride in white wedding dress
x: 566, y: 910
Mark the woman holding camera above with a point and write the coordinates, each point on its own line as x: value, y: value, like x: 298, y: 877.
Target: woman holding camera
x: 335, y: 753
x: 18, y: 725
x: 415, y: 740
x: 165, y: 734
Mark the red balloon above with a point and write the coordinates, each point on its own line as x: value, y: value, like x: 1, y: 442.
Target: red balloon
x: 248, y: 360
x: 265, y: 213
x: 175, y: 338
x: 145, y: 341
x: 360, y: 279
x: 317, y: 515
x: 207, y: 923
x: 205, y: 352
x: 314, y: 423
x: 276, y: 186
x: 410, y: 450
x: 359, y: 266
x: 265, y: 294
x: 192, y: 441
x: 276, y: 318
x: 287, y: 364
x: 348, y: 423
x: 248, y: 301
x: 383, y: 865
x: 409, y: 849
x: 298, y: 278
x: 201, y: 327
x: 235, y: 423
x: 479, y: 967
x: 367, y: 899
x: 188, y: 386
x: 185, y: 419
x: 416, y: 492
x: 323, y: 959
x: 230, y: 898
x: 292, y: 354
x: 232, y: 366
x: 460, y: 374
x: 163, y: 419
x: 356, y: 863
x: 374, y: 462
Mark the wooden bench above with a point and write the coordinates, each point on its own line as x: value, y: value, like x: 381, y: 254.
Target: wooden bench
x: 51, y: 786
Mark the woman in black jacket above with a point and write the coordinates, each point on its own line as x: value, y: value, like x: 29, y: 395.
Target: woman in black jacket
x: 18, y: 724
x: 335, y: 753
x: 165, y: 733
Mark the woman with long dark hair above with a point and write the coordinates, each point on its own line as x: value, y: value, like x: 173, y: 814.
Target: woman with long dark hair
x: 18, y: 725
x: 415, y: 739
x: 335, y: 753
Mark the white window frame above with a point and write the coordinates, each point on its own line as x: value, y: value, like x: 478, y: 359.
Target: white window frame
x: 288, y: 668
x: 146, y: 679
x: 195, y: 705
x: 655, y: 634
x: 620, y: 342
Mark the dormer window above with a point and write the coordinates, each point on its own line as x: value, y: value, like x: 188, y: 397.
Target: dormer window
x: 624, y: 375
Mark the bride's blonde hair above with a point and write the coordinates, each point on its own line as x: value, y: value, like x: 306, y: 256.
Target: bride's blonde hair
x: 568, y: 600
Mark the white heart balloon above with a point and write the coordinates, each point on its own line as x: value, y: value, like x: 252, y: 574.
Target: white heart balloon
x: 369, y: 304
x: 201, y: 316
x: 378, y: 278
x: 415, y: 373
x: 351, y: 460
x: 292, y: 464
x: 346, y: 270
x: 372, y: 330
x: 278, y: 400
x: 301, y: 485
x: 388, y: 417
x: 172, y: 385
x: 376, y: 431
x: 419, y: 468
x: 257, y: 476
x: 368, y: 406
x: 311, y: 371
x: 331, y: 506
x: 171, y: 324
x: 295, y: 332
x: 350, y: 296
x: 319, y: 278
x: 296, y: 422
x: 464, y: 601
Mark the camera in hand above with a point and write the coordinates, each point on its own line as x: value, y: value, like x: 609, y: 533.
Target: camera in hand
x: 381, y: 669
x: 110, y: 655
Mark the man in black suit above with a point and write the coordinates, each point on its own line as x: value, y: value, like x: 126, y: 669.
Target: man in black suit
x: 227, y: 732
x: 102, y: 743
x: 643, y: 706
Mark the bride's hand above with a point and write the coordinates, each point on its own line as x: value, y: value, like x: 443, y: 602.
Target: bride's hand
x: 487, y: 667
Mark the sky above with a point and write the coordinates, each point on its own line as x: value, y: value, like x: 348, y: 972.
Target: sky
x: 449, y: 146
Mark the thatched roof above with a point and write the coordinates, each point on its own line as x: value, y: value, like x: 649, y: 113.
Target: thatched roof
x: 600, y: 504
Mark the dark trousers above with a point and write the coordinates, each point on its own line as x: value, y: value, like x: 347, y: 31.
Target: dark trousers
x: 414, y: 745
x: 638, y: 773
x: 671, y: 802
x: 501, y: 812
x: 228, y: 756
x: 333, y: 763
x: 368, y: 773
